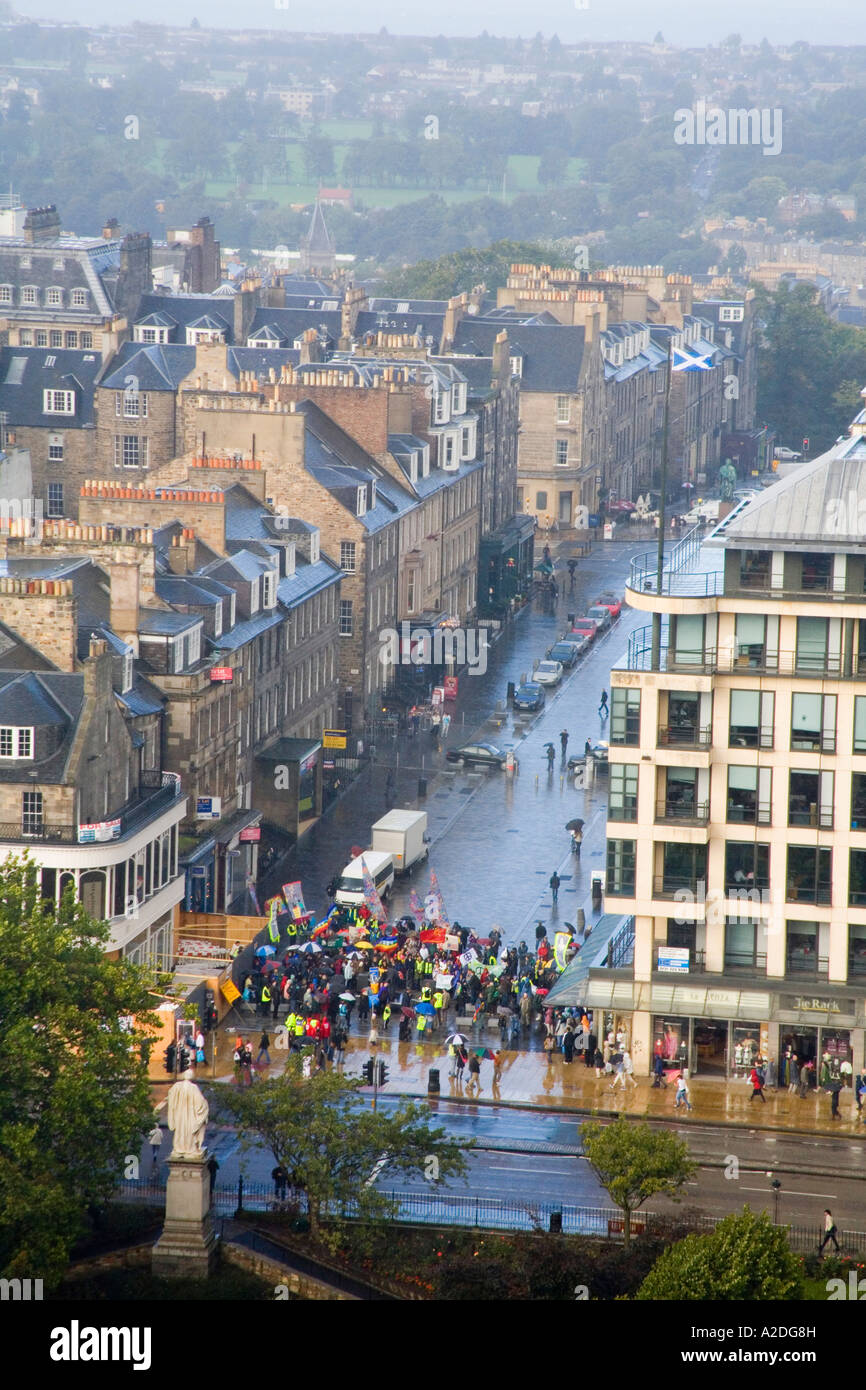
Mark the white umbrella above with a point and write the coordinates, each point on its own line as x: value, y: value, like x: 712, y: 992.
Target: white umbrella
x: 455, y: 1039
x: 347, y: 996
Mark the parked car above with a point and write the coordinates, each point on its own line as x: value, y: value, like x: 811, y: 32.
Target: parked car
x: 598, y: 753
x: 529, y: 696
x: 584, y: 627
x: 484, y: 754
x: 565, y: 652
x: 703, y: 511
x: 610, y: 602
x: 787, y: 455
x: 601, y: 615
x: 548, y: 673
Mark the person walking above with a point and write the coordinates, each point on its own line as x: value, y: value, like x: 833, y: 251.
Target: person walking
x: 568, y: 1042
x: 460, y: 1060
x: 628, y: 1071
x: 793, y: 1074
x: 829, y: 1231
x: 572, y: 566
x: 264, y: 1050
x: 659, y: 1073
x: 154, y: 1139
x: 551, y: 757
x: 563, y: 739
x: 445, y: 726
x: 757, y: 1086
x: 339, y: 1038
x: 602, y: 706
x: 555, y: 881
x: 475, y: 1073
x: 682, y: 1093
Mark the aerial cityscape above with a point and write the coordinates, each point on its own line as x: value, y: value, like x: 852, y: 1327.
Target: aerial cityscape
x: 433, y: 777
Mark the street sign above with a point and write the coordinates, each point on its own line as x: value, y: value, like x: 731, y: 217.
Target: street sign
x: 221, y: 673
x: 334, y: 738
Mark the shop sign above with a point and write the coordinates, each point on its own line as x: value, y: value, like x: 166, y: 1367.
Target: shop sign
x: 208, y: 807
x: 250, y: 834
x: 452, y: 685
x: 221, y: 673
x: 813, y: 1004
x: 723, y: 998
x: 674, y: 959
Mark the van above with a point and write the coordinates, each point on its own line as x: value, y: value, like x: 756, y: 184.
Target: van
x: 403, y: 835
x: 350, y: 890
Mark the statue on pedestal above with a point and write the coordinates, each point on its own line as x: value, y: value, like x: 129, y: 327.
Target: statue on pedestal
x: 187, y: 1116
x: 727, y: 481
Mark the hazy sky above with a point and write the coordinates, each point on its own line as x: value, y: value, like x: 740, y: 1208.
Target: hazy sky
x: 681, y: 21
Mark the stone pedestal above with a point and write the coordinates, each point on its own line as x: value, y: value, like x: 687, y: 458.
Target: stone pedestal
x: 188, y: 1245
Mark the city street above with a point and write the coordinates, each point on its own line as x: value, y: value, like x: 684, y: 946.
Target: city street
x: 496, y: 839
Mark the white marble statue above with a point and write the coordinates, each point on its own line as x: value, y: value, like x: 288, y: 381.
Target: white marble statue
x: 187, y: 1116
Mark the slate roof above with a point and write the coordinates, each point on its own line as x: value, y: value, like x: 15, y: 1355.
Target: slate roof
x: 158, y: 623
x: 88, y: 263
x: 552, y: 353
x: 142, y: 699
x: 18, y: 655
x: 245, y: 631
x: 340, y: 464
x: 186, y: 310
x: 306, y: 580
x: 40, y: 699
x: 292, y: 323
x: 260, y: 360
x: 159, y: 367
x: 26, y: 372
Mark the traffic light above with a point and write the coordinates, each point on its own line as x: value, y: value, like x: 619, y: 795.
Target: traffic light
x: 170, y: 1057
x: 209, y: 1011
x: 383, y: 1073
x: 368, y: 1072
x: 183, y: 1060
x: 805, y: 446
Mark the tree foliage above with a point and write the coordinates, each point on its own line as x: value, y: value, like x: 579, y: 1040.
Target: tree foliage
x: 745, y: 1258
x: 74, y: 1095
x: 320, y: 1129
x: 635, y: 1162
x: 463, y: 270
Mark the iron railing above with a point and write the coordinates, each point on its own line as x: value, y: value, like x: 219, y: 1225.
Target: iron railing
x: 159, y: 791
x: 492, y: 1213
x: 710, y: 661
x: 818, y: 968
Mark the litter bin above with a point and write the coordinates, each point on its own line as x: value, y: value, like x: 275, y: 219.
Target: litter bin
x: 510, y: 693
x: 597, y: 889
x: 422, y: 787
x: 433, y: 1087
x: 556, y: 1223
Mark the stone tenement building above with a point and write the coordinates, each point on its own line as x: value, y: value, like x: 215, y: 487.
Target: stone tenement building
x: 74, y: 791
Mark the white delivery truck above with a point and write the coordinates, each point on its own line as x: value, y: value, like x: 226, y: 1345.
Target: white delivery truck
x: 350, y: 889
x: 403, y: 835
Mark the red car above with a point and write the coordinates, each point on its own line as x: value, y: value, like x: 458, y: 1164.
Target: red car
x: 611, y: 603
x: 586, y: 627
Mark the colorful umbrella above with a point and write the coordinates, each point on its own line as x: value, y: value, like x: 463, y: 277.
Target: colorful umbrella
x: 425, y: 1007
x: 264, y: 951
x: 364, y: 946
x: 484, y: 1053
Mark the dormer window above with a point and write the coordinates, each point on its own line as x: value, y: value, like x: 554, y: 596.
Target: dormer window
x: 79, y: 299
x: 54, y: 296
x: 254, y: 596
x: 361, y: 502
x: 128, y: 662
x: 58, y: 402
x: 372, y: 492
x: 269, y: 589
x: 314, y: 547
x: 5, y: 294
x: 29, y: 294
x: 218, y: 619
x: 15, y: 742
x: 731, y: 314
x: 289, y: 560
x: 441, y: 408
x: 425, y: 461
x: 516, y: 364
x: 413, y: 468
x: 193, y: 646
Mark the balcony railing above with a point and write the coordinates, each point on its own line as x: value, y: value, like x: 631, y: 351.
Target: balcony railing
x: 745, y: 963
x: 813, y: 743
x: 668, y: 885
x: 677, y: 576
x: 819, y: 893
x: 808, y: 967
x: 684, y: 736
x: 746, y: 885
x: 685, y: 812
x: 752, y: 657
x: 818, y: 818
x: 159, y: 790
x: 758, y: 814
x: 751, y: 737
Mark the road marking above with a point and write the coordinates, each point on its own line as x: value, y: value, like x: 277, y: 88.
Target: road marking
x: 788, y: 1192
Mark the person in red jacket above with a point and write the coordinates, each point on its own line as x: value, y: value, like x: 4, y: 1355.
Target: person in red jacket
x: 757, y: 1086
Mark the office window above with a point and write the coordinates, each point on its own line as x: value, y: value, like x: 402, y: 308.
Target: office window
x: 747, y: 866
x: 625, y: 717
x: 621, y: 867
x: 623, y: 791
x: 31, y: 813
x: 813, y: 723
x: 347, y: 624
x: 812, y: 644
x: 751, y: 719
x: 15, y: 742
x: 55, y: 499
x: 809, y: 874
x: 347, y: 556
x: 563, y: 410
x: 749, y: 795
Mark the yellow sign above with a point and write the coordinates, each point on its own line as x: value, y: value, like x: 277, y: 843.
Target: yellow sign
x: 229, y: 991
x: 334, y: 738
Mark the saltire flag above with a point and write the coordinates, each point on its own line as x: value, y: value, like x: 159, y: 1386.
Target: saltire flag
x: 415, y: 907
x: 690, y: 362
x: 371, y: 897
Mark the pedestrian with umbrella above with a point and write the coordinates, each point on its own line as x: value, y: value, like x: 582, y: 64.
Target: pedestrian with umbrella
x: 576, y: 828
x: 563, y: 739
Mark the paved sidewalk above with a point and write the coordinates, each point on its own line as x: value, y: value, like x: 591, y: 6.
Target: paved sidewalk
x: 529, y: 1080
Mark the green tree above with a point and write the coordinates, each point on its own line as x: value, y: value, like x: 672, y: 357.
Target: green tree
x: 74, y: 1095
x: 320, y: 1129
x: 745, y: 1258
x: 634, y: 1162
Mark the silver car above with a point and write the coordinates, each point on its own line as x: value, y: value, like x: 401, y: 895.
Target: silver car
x: 548, y: 672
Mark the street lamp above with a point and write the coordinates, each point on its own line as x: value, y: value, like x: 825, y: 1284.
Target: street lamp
x: 776, y: 1188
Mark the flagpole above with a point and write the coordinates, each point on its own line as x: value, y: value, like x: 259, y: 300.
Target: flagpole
x: 660, y: 559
